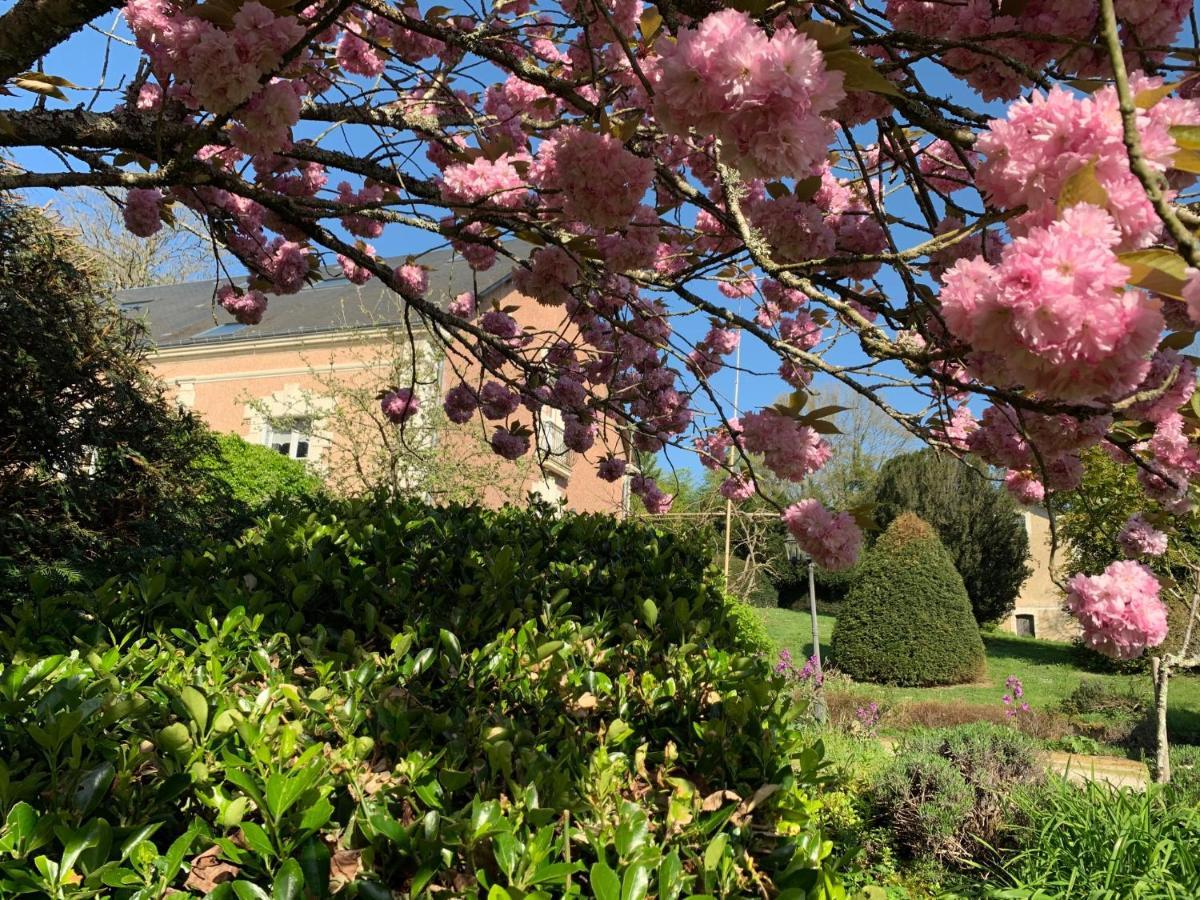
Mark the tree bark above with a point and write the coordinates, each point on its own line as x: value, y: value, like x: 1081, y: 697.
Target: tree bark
x: 32, y: 28
x: 1160, y: 670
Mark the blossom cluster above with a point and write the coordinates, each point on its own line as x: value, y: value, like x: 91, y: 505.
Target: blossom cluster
x: 1053, y: 315
x: 833, y: 541
x: 763, y: 97
x: 1119, y: 610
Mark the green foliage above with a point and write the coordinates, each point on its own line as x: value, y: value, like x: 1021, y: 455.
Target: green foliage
x: 976, y: 519
x: 95, y: 463
x: 396, y: 698
x: 907, y: 620
x: 1101, y: 842
x: 257, y: 478
x: 948, y: 793
x: 1089, y: 520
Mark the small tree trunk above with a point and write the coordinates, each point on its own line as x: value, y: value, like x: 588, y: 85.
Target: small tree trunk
x: 1160, y: 671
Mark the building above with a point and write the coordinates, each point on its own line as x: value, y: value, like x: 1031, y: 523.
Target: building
x: 306, y: 380
x: 1039, y: 610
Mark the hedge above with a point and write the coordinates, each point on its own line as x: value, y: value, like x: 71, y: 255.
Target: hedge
x: 907, y: 619
x: 397, y: 698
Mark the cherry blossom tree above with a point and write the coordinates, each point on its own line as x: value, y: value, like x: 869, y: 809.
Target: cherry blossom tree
x: 983, y: 201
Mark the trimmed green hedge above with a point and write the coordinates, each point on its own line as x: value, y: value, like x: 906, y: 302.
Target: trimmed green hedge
x: 397, y: 698
x: 907, y: 619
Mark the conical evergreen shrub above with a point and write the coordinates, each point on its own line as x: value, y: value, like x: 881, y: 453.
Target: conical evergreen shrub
x: 908, y: 619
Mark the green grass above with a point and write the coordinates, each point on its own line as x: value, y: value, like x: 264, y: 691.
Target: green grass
x: 1045, y: 668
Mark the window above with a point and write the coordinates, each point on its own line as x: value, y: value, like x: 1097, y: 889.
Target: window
x: 1025, y: 627
x: 550, y: 432
x: 289, y: 437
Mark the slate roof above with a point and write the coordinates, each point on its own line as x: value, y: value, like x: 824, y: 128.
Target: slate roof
x: 186, y: 314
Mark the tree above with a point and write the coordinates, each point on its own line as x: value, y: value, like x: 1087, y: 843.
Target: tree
x: 95, y: 462
x: 907, y: 619
x: 866, y: 439
x: 1108, y: 517
x: 977, y: 521
x: 124, y: 260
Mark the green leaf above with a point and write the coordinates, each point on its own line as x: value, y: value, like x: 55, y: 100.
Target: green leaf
x: 670, y: 876
x: 636, y: 884
x: 548, y: 649
x: 92, y: 786
x: 314, y: 861
x: 631, y: 834
x: 20, y: 824
x: 859, y: 73
x: 1082, y: 187
x: 174, y: 738
x: 289, y: 881
x: 650, y: 612
x: 605, y: 883
x: 316, y: 815
x: 197, y: 707
x: 1186, y: 136
x: 714, y: 852
x: 806, y: 188
x: 1158, y: 270
x: 257, y: 840
x: 248, y: 890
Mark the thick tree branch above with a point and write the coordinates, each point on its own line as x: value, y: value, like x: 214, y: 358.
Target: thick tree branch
x: 32, y: 28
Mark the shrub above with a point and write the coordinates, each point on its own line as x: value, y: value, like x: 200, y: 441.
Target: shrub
x: 1099, y: 841
x: 907, y: 620
x: 948, y: 794
x: 256, y: 478
x: 1094, y: 696
x: 95, y: 462
x: 977, y: 520
x: 409, y: 699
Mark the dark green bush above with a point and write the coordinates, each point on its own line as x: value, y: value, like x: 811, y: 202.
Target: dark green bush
x: 484, y: 703
x: 977, y: 520
x: 949, y: 793
x: 95, y: 462
x: 1095, y: 696
x: 908, y: 620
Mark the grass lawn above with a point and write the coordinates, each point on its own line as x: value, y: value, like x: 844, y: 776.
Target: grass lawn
x: 1044, y: 667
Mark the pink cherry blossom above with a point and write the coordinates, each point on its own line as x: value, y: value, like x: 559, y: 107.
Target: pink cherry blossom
x: 143, y: 211
x: 1119, y: 609
x: 833, y: 541
x: 592, y: 176
x: 611, y: 468
x: 737, y: 488
x: 762, y: 96
x: 245, y: 306
x: 790, y: 450
x: 510, y: 445
x: 1053, y: 315
x: 463, y: 305
x: 400, y: 405
x: 1139, y: 538
x: 460, y: 404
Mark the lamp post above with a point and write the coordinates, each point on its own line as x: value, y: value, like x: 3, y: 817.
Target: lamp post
x: 794, y: 555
